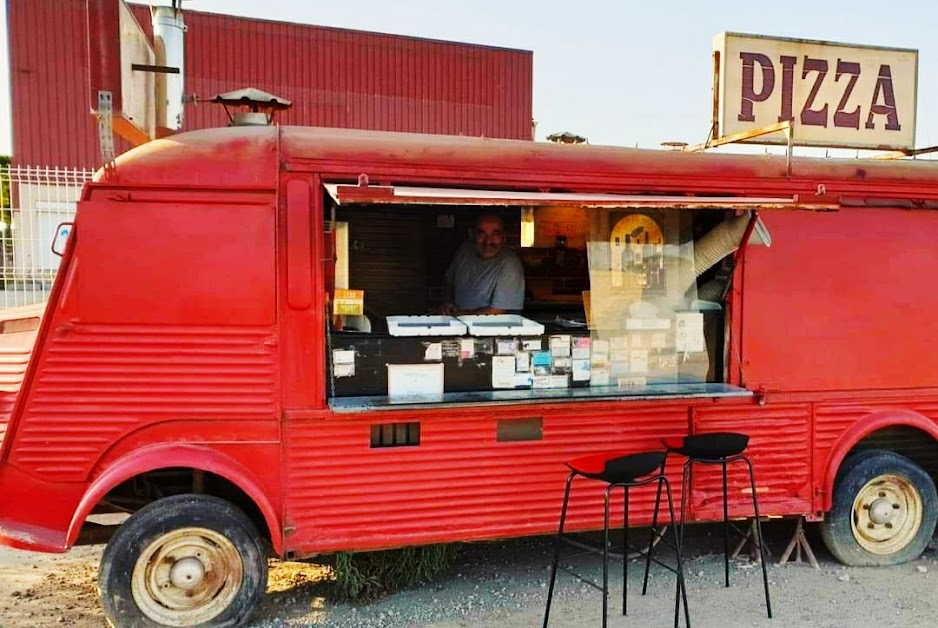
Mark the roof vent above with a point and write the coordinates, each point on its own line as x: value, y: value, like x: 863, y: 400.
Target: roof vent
x: 566, y: 137
x: 251, y: 106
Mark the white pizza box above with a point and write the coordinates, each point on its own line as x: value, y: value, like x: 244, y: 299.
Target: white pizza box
x: 425, y: 325
x: 501, y: 325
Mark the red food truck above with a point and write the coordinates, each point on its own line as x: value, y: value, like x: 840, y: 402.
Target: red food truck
x: 240, y: 351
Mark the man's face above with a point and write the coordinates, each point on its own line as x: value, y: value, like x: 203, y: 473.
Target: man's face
x: 490, y: 237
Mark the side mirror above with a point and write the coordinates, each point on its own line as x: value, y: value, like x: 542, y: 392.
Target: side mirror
x: 61, y: 237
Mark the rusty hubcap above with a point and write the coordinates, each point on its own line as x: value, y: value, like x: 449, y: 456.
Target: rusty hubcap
x: 887, y: 514
x: 187, y: 577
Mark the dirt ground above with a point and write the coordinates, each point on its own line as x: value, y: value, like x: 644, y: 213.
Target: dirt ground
x: 504, y: 584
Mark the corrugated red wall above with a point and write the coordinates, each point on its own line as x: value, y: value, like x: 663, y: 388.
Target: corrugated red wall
x: 334, y: 77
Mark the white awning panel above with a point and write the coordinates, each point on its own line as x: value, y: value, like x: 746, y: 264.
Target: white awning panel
x: 406, y: 195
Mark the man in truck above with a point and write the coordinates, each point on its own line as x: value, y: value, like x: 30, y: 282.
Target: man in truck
x: 485, y: 276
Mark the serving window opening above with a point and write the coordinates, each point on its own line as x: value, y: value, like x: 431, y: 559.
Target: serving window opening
x: 619, y: 301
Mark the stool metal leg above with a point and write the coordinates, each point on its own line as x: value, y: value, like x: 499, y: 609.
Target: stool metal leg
x: 762, y: 554
x: 557, y: 545
x: 686, y: 479
x: 726, y: 530
x: 606, y: 555
x: 654, y: 528
x: 625, y: 553
x: 681, y: 592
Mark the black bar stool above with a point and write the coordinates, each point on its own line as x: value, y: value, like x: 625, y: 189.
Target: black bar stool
x: 720, y: 448
x: 625, y: 471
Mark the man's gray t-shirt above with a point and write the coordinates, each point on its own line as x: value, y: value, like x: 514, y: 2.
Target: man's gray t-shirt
x: 478, y: 283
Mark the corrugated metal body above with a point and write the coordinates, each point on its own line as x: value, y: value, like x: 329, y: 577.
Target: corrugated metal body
x: 100, y: 383
x: 18, y: 330
x: 334, y: 77
x: 779, y: 449
x: 460, y: 482
x: 13, y: 361
x: 833, y: 420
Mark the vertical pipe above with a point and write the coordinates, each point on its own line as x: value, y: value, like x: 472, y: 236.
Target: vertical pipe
x: 169, y: 31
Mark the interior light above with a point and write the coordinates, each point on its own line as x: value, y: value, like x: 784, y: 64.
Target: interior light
x: 527, y: 226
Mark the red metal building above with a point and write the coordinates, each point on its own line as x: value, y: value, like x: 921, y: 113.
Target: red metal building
x: 335, y: 77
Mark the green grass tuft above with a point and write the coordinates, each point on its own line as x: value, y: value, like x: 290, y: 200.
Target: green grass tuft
x: 366, y: 575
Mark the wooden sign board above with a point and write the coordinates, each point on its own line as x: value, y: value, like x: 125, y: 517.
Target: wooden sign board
x: 837, y: 95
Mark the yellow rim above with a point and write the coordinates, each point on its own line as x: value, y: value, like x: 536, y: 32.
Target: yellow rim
x: 887, y: 514
x: 187, y: 577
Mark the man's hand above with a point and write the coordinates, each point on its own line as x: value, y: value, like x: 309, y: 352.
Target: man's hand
x: 449, y: 309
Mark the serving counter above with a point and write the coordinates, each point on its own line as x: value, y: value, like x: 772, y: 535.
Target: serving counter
x: 508, y: 359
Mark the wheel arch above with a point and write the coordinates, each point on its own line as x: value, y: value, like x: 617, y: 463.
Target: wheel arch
x: 168, y: 456
x: 864, y: 428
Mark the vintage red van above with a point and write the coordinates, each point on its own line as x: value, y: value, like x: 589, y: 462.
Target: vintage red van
x: 191, y: 368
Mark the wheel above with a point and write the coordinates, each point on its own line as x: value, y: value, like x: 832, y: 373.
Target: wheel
x: 884, y: 510
x: 187, y: 560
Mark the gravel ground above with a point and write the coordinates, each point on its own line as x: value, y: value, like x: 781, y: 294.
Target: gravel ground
x: 505, y: 584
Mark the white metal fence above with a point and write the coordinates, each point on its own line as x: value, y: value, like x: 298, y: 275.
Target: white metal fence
x: 33, y: 202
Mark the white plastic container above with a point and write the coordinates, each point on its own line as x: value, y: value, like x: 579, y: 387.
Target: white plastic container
x: 430, y: 325
x: 501, y: 325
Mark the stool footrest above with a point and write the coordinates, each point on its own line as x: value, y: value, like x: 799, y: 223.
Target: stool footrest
x: 634, y: 552
x: 581, y: 578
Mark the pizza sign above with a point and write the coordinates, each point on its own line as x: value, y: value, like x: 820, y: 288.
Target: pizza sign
x: 834, y: 94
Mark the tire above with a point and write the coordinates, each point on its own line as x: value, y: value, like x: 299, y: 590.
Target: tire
x: 187, y: 560
x: 884, y: 510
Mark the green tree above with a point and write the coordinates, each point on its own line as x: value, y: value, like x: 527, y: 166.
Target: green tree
x: 5, y: 199
x: 6, y: 218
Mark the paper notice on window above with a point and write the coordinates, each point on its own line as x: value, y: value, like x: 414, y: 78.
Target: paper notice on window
x: 581, y: 370
x: 506, y: 347
x: 648, y: 323
x: 523, y: 380
x: 533, y: 344
x: 689, y: 336
x: 348, y: 302
x: 467, y: 348
x: 522, y: 362
x: 599, y: 377
x: 503, y: 371
x: 417, y: 380
x: 560, y: 346
x: 559, y: 381
x: 638, y: 361
x: 600, y: 350
x: 540, y: 362
x: 343, y: 356
x: 617, y: 369
x: 433, y: 352
x: 561, y: 363
x: 620, y: 356
x: 343, y: 370
x: 540, y: 381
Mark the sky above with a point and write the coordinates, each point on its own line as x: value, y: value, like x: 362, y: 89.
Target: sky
x: 618, y: 72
